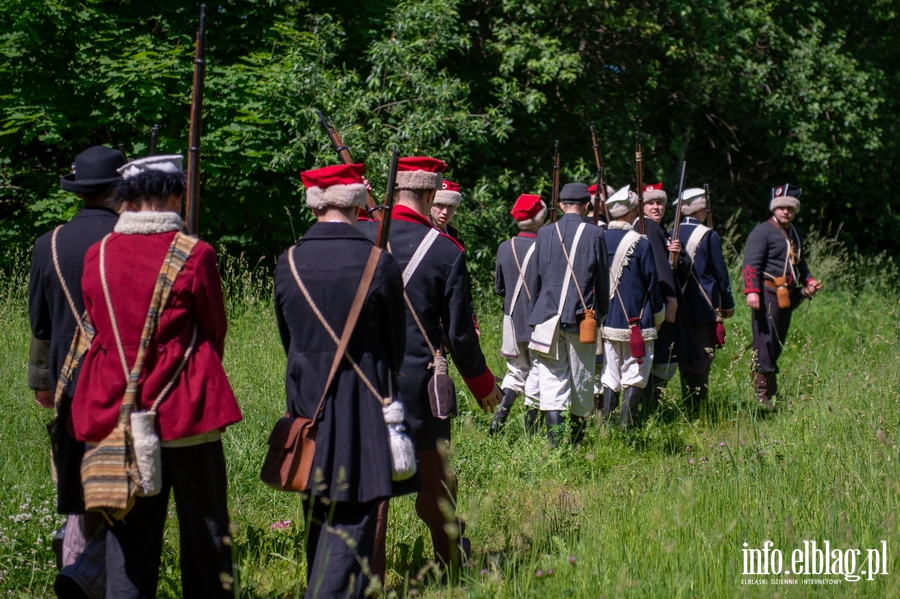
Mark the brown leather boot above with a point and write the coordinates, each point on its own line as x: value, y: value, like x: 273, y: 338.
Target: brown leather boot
x: 761, y: 382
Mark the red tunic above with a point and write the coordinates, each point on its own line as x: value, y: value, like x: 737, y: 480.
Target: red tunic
x: 201, y: 399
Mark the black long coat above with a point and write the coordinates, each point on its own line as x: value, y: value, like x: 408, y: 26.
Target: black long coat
x: 439, y: 291
x: 52, y: 320
x: 353, y: 460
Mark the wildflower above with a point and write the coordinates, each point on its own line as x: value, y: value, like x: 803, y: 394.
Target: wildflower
x: 539, y: 573
x: 691, y: 462
x: 280, y: 525
x: 484, y: 571
x: 550, y: 572
x: 722, y: 444
x: 571, y: 559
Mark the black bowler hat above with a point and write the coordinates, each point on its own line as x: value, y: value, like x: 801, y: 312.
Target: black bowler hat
x: 574, y: 193
x: 94, y: 171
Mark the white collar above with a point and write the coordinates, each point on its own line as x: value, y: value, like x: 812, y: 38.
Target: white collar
x: 621, y: 225
x: 148, y: 222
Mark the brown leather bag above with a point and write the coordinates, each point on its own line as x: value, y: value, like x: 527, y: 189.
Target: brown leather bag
x: 292, y: 444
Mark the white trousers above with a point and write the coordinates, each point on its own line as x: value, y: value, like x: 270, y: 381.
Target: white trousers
x: 567, y: 383
x: 520, y: 376
x: 620, y: 369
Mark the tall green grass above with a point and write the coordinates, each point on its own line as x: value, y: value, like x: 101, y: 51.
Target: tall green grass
x: 660, y: 512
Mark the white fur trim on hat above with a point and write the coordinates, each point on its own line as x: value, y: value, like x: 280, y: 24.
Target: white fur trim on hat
x: 785, y: 202
x: 538, y: 218
x: 445, y: 197
x: 419, y: 180
x: 690, y: 209
x: 621, y: 203
x: 693, y: 201
x: 337, y: 196
x: 148, y: 222
x: 167, y: 163
x: 655, y: 194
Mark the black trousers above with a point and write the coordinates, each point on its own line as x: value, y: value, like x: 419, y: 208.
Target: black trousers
x: 770, y: 329
x: 134, y: 546
x: 341, y: 536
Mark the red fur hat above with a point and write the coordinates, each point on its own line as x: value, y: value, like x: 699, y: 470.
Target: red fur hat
x: 339, y: 186
x: 420, y: 172
x: 448, y: 194
x: 654, y: 192
x: 529, y: 210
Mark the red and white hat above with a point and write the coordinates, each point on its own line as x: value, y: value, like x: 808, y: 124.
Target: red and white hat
x: 420, y: 172
x: 529, y: 210
x: 655, y: 192
x: 338, y: 186
x: 593, y: 190
x: 448, y: 194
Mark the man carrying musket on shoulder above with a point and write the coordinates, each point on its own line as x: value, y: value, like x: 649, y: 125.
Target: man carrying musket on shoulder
x: 571, y: 288
x: 438, y: 304
x: 707, y: 292
x: 515, y: 261
x: 776, y: 280
x: 356, y: 402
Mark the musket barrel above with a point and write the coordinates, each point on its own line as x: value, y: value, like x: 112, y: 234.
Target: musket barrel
x: 639, y: 175
x: 192, y: 209
x: 154, y: 138
x: 673, y: 258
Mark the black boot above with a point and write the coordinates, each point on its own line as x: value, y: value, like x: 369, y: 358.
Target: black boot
x: 653, y: 393
x: 630, y: 406
x: 531, y: 420
x: 610, y: 402
x: 554, y: 421
x: 579, y: 425
x: 502, y: 412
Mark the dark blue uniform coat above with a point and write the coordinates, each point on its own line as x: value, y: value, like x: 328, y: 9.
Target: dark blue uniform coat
x: 638, y: 288
x: 710, y: 271
x: 506, y: 277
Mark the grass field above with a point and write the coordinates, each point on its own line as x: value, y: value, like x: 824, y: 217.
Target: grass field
x: 661, y: 512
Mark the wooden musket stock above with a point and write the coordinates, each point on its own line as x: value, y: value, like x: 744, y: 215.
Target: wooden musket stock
x: 601, y: 181
x: 192, y: 207
x: 343, y: 152
x: 384, y: 225
x: 554, y: 191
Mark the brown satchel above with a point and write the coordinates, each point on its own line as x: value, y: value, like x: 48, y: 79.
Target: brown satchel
x: 292, y: 444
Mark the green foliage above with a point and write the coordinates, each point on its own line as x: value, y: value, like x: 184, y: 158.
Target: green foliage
x: 752, y: 94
